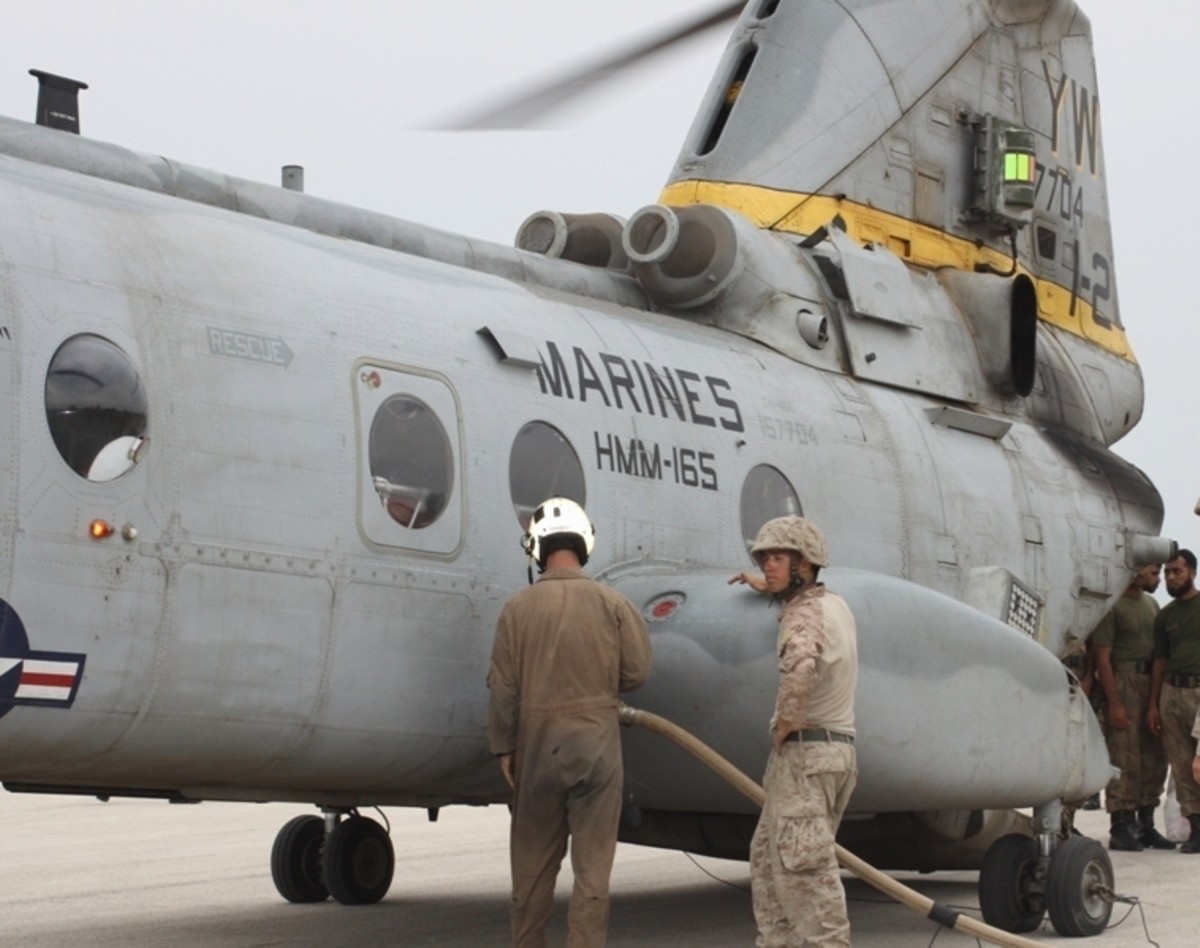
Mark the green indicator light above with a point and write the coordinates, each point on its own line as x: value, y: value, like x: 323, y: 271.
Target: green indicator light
x: 1019, y: 167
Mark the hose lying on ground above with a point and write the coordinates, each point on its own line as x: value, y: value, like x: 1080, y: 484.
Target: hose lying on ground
x: 935, y: 911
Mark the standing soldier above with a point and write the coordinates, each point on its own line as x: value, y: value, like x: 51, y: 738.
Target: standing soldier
x: 1175, y: 685
x: 1123, y: 645
x: 564, y: 648
x: 797, y: 889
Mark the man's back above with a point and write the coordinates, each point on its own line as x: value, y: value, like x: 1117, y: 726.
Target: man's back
x: 565, y: 644
x: 563, y: 650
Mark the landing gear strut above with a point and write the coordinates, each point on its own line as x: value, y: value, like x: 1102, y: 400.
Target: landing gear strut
x: 1022, y: 878
x: 351, y: 859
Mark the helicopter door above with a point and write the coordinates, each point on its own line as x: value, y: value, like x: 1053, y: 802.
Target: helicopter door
x: 410, y: 486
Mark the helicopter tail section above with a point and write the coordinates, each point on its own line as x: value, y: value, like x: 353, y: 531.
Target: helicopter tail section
x: 952, y: 135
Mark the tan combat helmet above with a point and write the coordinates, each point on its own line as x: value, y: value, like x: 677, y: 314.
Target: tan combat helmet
x: 792, y: 533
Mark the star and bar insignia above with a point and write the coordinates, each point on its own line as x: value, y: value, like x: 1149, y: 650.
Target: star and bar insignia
x: 30, y: 677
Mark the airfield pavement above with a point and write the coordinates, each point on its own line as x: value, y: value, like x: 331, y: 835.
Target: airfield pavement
x: 81, y: 873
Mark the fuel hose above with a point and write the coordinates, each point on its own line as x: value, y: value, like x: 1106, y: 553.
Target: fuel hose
x: 935, y: 911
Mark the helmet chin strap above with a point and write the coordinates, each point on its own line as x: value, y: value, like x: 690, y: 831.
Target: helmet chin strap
x: 795, y: 585
x: 527, y: 547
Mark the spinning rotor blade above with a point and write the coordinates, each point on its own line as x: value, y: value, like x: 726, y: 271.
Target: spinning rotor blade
x: 522, y: 109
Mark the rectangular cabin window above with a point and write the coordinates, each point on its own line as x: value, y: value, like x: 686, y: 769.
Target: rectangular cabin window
x: 1046, y: 243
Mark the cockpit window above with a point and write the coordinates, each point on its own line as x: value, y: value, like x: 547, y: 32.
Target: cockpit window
x: 412, y: 467
x: 96, y: 407
x: 767, y: 494
x: 542, y: 464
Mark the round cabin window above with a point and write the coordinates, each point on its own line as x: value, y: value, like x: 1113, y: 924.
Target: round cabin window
x: 96, y: 407
x: 412, y: 466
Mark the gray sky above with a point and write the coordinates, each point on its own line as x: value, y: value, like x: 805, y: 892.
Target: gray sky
x: 341, y: 88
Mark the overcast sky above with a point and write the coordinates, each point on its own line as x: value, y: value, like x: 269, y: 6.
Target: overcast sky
x: 245, y: 87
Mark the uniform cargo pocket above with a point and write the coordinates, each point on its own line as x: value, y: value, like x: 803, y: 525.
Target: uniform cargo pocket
x: 825, y: 759
x: 805, y: 842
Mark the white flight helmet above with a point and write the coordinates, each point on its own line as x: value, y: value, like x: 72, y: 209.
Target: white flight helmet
x: 559, y: 516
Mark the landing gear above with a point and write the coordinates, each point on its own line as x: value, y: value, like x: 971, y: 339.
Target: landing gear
x: 350, y: 859
x: 1023, y: 878
x: 296, y: 860
x: 1011, y: 895
x: 1079, y: 887
x: 358, y: 861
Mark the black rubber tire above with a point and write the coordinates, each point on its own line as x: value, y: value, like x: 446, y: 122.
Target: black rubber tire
x: 1005, y: 879
x: 358, y: 862
x: 1080, y: 872
x: 296, y: 860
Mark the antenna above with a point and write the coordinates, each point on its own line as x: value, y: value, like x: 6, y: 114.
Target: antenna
x: 58, y: 101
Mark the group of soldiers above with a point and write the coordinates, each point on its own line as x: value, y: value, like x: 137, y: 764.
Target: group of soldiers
x: 1142, y: 671
x: 565, y: 647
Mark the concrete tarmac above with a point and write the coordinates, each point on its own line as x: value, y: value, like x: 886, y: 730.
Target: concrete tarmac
x: 81, y: 873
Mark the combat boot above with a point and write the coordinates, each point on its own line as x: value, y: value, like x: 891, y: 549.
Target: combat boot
x: 1124, y: 833
x: 1192, y: 844
x: 1150, y: 837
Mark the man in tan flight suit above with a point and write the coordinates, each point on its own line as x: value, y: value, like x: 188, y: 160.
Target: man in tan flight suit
x: 794, y: 877
x: 564, y: 648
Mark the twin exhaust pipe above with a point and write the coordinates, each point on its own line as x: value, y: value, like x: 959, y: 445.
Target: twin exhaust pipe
x: 682, y: 257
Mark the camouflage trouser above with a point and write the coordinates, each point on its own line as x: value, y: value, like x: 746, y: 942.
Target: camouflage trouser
x: 1136, y: 751
x: 794, y: 877
x: 1178, y: 707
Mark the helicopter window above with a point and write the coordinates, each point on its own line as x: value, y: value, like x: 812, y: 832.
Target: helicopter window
x: 1047, y: 243
x: 96, y: 407
x: 728, y: 101
x: 412, y: 467
x: 766, y: 494
x: 542, y: 464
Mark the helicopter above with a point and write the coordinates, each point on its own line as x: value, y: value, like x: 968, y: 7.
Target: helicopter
x: 268, y: 456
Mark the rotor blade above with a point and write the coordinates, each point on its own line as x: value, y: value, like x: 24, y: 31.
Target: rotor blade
x: 520, y: 110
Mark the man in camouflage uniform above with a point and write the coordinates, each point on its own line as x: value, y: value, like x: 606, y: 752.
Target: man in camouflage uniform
x: 1175, y: 685
x: 563, y: 649
x: 1123, y: 644
x: 1196, y: 737
x: 797, y: 888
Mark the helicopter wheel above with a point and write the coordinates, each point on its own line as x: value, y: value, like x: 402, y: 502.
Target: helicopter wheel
x: 358, y: 861
x: 1008, y: 896
x: 1079, y: 887
x: 296, y: 860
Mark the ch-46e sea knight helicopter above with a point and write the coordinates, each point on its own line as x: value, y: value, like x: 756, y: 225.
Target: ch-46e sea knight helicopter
x: 266, y: 458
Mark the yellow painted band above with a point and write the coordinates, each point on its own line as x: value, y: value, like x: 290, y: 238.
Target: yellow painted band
x: 918, y: 244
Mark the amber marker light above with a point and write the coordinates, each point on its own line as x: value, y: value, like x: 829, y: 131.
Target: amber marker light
x: 99, y: 529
